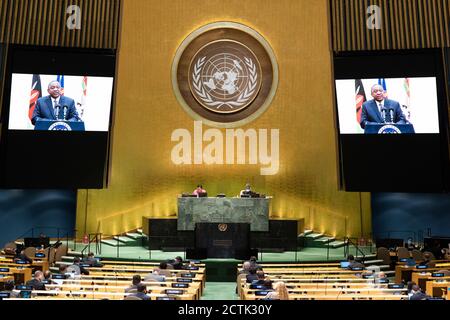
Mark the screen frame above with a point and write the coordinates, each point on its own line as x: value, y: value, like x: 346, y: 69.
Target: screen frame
x: 12, y: 109
x: 15, y: 64
x: 353, y: 65
x: 369, y: 98
x: 67, y: 61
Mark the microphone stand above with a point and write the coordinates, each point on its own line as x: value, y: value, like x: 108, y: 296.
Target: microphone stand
x: 383, y: 114
x: 57, y: 107
x: 65, y: 111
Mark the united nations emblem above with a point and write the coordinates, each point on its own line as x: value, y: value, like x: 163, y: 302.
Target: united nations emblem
x: 224, y: 74
x: 222, y: 227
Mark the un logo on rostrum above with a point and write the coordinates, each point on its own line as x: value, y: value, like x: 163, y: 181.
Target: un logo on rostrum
x: 225, y: 74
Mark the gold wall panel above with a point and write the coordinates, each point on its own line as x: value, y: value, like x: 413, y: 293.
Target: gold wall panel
x: 405, y: 24
x: 143, y: 179
x: 43, y: 22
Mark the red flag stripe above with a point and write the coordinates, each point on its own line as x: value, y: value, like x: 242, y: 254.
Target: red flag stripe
x: 35, y: 94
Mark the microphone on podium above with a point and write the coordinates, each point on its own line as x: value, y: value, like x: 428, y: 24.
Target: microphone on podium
x: 57, y: 108
x: 65, y: 108
x: 383, y: 113
x: 388, y: 114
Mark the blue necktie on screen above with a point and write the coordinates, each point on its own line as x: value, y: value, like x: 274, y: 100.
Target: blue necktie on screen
x: 55, y: 109
x: 61, y: 113
x: 388, y: 116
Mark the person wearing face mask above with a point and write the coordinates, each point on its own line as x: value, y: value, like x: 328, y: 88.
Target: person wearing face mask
x: 55, y: 106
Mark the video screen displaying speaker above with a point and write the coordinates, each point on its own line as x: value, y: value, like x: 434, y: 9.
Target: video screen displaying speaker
x: 56, y: 117
x: 60, y: 102
x: 391, y: 118
x: 405, y: 105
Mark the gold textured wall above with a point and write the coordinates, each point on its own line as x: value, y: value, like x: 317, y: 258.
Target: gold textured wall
x: 404, y: 24
x: 43, y: 22
x: 144, y: 181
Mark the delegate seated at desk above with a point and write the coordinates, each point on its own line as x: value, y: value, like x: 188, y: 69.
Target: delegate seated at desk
x: 247, y: 191
x: 197, y: 192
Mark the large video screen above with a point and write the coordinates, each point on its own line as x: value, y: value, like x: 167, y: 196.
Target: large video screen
x: 391, y: 120
x: 387, y: 105
x: 60, y: 102
x: 57, y: 112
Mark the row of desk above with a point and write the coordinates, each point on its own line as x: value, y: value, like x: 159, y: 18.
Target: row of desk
x: 22, y: 273
x: 111, y: 280
x: 433, y: 286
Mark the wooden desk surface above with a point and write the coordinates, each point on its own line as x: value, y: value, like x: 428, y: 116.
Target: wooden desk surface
x: 336, y: 291
x: 192, y: 290
x: 316, y: 278
x: 20, y: 275
x: 331, y: 285
x: 311, y: 272
x: 138, y: 263
x: 421, y: 278
x: 304, y: 269
x: 393, y: 253
x: 83, y: 295
x: 136, y: 269
x: 88, y: 280
x: 337, y: 297
x: 406, y: 273
x: 128, y: 277
x: 119, y: 284
x: 6, y: 278
x: 442, y: 283
x: 417, y: 276
x: 294, y: 265
x: 40, y: 264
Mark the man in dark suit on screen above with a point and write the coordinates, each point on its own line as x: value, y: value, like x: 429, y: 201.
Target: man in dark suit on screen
x: 55, y: 106
x: 381, y: 110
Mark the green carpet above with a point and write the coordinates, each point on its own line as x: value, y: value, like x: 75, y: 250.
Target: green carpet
x: 220, y: 291
x: 141, y: 253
